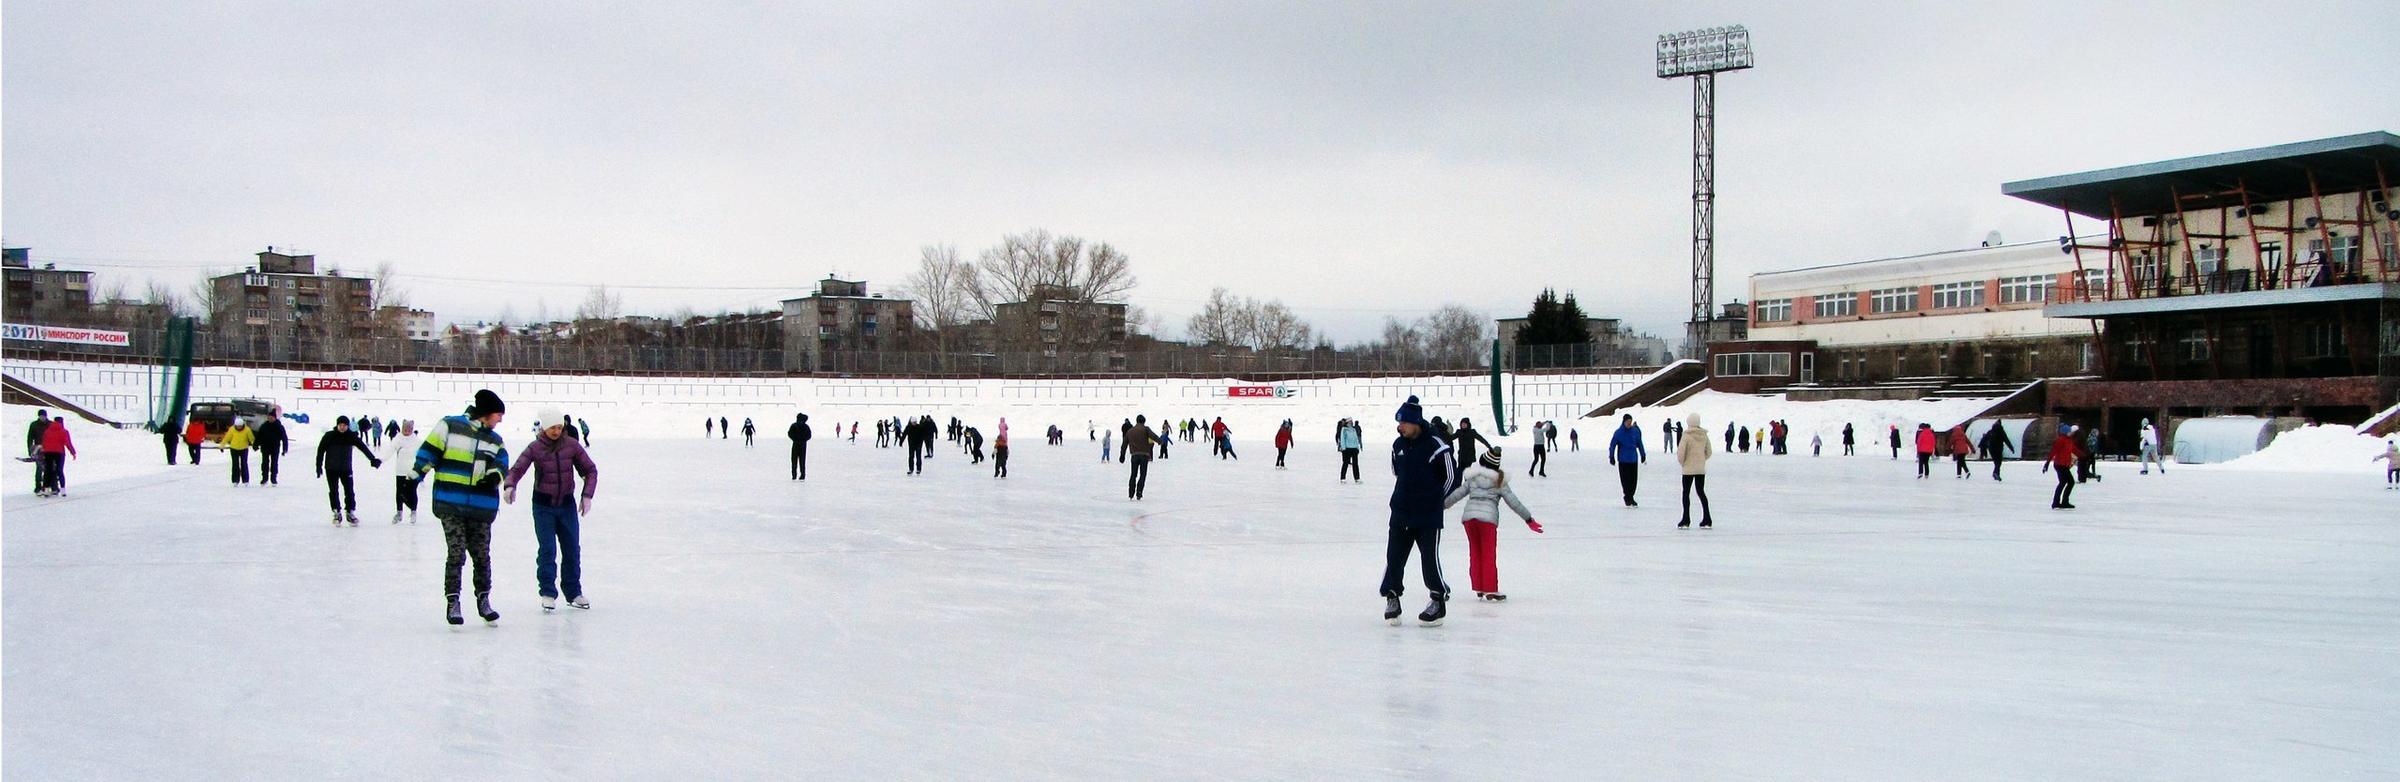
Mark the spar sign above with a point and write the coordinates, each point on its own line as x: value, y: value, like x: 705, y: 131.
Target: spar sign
x: 112, y: 339
x: 326, y: 384
x: 1257, y: 392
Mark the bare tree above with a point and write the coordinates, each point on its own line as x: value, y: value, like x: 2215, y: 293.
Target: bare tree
x: 1221, y: 321
x: 163, y: 296
x: 1276, y: 327
x: 1456, y: 336
x: 940, y: 286
x: 1402, y: 342
x: 601, y: 305
x: 385, y: 290
x: 1037, y: 264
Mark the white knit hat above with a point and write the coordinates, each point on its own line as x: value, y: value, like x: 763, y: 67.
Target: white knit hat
x: 548, y: 417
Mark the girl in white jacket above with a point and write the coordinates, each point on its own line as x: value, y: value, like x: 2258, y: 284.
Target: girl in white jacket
x: 403, y: 450
x: 1483, y: 487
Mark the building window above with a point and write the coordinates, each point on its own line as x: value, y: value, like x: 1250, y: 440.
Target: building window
x: 1773, y: 310
x: 2345, y: 253
x: 2146, y: 271
x: 2195, y: 345
x: 1754, y: 364
x: 2137, y: 349
x: 2091, y: 357
x: 2270, y: 259
x: 2029, y: 289
x: 1957, y: 295
x: 2321, y: 340
x: 1891, y: 300
x: 2092, y: 283
x: 2207, y: 260
x: 1839, y: 305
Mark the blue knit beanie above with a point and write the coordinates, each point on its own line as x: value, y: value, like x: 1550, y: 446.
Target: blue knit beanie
x: 1411, y: 412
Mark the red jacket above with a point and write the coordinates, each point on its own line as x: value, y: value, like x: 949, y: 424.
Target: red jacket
x: 55, y: 439
x: 1925, y: 440
x: 195, y: 433
x: 2063, y: 451
x: 1959, y: 442
x: 1283, y: 438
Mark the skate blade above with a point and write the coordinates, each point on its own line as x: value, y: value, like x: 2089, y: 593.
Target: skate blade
x: 1434, y: 623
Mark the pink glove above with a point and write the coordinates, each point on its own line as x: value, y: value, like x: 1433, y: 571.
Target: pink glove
x: 1537, y: 526
x: 584, y: 507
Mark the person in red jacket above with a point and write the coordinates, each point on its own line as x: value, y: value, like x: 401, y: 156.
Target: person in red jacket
x: 193, y: 435
x: 1960, y: 448
x: 1283, y: 442
x: 2063, y: 453
x: 56, y: 446
x: 1925, y: 442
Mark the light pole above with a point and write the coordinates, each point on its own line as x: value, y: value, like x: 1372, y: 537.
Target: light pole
x: 1702, y: 54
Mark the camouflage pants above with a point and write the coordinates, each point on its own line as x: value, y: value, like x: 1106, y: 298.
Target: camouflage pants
x: 469, y: 535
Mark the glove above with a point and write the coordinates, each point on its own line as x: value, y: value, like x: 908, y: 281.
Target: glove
x: 1612, y: 461
x: 320, y: 472
x: 510, y: 496
x: 490, y: 481
x: 583, y: 507
x: 1535, y: 525
x: 377, y: 462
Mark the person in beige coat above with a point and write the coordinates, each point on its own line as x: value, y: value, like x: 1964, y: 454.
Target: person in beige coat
x: 1693, y: 454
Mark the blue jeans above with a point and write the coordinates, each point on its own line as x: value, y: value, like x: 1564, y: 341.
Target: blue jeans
x: 561, y: 537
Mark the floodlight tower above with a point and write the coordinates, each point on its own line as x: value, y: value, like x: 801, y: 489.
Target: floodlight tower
x: 1702, y: 54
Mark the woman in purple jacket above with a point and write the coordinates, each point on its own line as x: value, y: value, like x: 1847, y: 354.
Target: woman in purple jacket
x: 556, y: 459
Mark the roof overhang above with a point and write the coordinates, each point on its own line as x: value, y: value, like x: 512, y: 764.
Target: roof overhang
x: 2389, y: 291
x: 2341, y: 164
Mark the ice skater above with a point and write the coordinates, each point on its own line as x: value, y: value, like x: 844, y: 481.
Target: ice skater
x: 1960, y: 449
x: 1423, y: 473
x: 2150, y: 438
x: 1925, y: 442
x: 749, y: 433
x: 2063, y: 454
x: 195, y: 434
x: 800, y: 435
x: 1483, y: 487
x: 1283, y: 442
x: 558, y: 512
x: 1224, y: 435
x: 273, y: 443
x: 1137, y: 445
x: 404, y: 483
x: 1000, y: 451
x: 2391, y: 463
x: 237, y: 447
x: 1849, y: 440
x: 1348, y: 436
x: 333, y: 465
x: 1541, y: 455
x: 1625, y: 450
x: 57, y: 447
x: 1692, y: 455
x: 1106, y: 438
x: 467, y: 459
x: 1995, y: 447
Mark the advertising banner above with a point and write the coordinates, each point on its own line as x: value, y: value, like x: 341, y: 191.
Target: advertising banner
x: 113, y: 339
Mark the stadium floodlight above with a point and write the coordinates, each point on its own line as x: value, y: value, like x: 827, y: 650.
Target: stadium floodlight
x: 1702, y: 54
x: 1713, y: 50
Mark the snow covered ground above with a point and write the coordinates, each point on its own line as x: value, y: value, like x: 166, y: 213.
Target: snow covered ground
x: 1845, y: 621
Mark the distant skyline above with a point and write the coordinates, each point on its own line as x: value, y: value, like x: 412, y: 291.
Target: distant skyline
x: 1356, y: 161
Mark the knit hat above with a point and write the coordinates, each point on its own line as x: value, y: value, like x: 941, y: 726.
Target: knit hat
x: 1490, y: 458
x: 486, y: 403
x: 341, y: 420
x: 1411, y: 412
x: 548, y: 417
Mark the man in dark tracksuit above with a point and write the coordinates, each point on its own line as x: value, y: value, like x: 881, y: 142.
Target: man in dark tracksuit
x: 1424, y: 469
x: 918, y: 436
x: 272, y: 443
x: 333, y: 464
x: 1995, y: 447
x: 800, y: 435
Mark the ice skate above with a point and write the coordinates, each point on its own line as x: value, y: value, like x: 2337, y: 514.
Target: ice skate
x: 483, y: 608
x: 549, y: 603
x: 455, y: 618
x: 1687, y: 522
x: 1391, y: 610
x: 1706, y: 523
x: 395, y: 517
x: 1492, y: 597
x: 578, y: 602
x: 1434, y: 611
x: 337, y: 518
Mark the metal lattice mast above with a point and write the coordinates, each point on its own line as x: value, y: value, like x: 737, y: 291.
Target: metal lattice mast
x: 1702, y: 54
x: 1704, y: 196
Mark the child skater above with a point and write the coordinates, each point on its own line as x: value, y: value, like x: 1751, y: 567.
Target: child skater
x: 1483, y: 487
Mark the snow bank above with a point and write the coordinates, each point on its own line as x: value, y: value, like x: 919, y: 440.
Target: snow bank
x: 1872, y: 418
x: 2338, y: 449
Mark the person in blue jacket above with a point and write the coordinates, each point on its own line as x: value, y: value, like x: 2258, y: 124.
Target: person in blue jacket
x: 1424, y: 469
x: 1626, y: 452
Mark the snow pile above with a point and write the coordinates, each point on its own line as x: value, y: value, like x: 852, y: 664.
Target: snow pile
x: 1872, y: 418
x: 2312, y: 449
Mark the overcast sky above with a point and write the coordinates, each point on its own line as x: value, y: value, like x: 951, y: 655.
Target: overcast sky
x: 1354, y: 160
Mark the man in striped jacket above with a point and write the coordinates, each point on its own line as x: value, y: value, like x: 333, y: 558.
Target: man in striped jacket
x: 467, y: 459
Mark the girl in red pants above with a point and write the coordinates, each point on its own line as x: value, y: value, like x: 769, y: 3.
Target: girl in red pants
x: 1483, y: 487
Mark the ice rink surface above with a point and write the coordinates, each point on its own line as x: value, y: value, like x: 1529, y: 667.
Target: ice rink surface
x: 1844, y: 621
